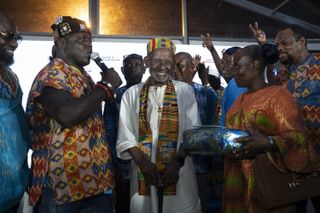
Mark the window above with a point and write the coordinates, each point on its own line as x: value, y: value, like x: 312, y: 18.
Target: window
x: 140, y: 17
x: 38, y: 16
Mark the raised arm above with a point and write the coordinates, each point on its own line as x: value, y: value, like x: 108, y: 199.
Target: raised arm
x: 258, y: 33
x: 207, y: 42
x: 261, y: 38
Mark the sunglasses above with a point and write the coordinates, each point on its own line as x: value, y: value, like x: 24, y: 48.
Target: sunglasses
x: 9, y: 36
x: 230, y: 50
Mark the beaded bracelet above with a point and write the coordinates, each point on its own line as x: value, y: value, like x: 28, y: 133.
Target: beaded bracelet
x: 107, y: 84
x: 106, y: 89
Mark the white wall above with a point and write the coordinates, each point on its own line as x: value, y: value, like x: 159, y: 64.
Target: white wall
x: 33, y: 54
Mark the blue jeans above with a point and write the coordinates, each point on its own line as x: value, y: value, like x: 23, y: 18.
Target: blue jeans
x: 101, y: 203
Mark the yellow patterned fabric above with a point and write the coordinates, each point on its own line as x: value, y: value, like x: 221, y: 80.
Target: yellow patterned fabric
x: 156, y: 43
x: 76, y: 159
x: 273, y: 112
x: 168, y: 134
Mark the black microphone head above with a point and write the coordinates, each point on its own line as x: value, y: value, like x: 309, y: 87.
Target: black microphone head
x: 94, y: 55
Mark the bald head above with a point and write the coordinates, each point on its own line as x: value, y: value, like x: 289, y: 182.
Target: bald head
x: 8, y: 39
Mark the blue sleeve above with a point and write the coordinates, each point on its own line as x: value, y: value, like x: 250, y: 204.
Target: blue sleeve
x: 111, y: 118
x: 212, y: 101
x: 224, y: 104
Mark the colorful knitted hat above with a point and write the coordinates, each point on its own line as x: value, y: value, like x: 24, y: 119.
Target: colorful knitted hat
x: 158, y: 42
x: 66, y: 25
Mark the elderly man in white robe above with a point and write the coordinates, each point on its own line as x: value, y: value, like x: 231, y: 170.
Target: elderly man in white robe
x: 153, y: 116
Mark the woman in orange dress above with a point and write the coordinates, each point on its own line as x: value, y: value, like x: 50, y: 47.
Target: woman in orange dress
x: 270, y: 114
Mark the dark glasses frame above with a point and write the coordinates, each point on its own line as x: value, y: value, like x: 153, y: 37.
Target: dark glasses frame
x: 9, y: 36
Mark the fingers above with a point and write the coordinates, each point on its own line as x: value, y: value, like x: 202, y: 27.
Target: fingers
x: 205, y: 39
x: 243, y: 139
x: 256, y: 25
x: 252, y: 29
x: 253, y: 131
x: 169, y: 178
x: 207, y: 69
x: 244, y: 152
x: 255, y: 28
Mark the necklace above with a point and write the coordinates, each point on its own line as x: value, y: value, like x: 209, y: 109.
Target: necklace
x: 156, y: 99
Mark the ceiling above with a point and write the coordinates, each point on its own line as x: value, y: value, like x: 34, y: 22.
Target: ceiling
x: 302, y: 13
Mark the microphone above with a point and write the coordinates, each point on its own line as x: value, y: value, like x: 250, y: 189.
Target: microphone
x: 95, y: 56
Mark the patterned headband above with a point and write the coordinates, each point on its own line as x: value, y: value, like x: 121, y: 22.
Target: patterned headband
x: 156, y: 43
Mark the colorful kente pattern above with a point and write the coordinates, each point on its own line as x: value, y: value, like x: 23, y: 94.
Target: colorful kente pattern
x: 273, y: 112
x: 168, y: 134
x: 219, y: 93
x: 304, y: 84
x: 76, y: 159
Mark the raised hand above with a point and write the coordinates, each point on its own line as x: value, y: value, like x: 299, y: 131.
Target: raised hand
x: 258, y: 33
x: 207, y: 42
x: 196, y: 60
x: 203, y: 73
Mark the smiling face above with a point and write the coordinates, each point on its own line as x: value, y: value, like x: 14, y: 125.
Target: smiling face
x: 244, y: 69
x: 78, y: 49
x: 7, y: 44
x: 289, y: 46
x: 161, y: 65
x: 183, y: 67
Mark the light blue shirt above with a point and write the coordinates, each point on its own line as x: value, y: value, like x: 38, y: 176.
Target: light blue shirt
x: 231, y: 93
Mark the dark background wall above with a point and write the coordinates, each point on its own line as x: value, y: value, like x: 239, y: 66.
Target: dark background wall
x: 162, y: 17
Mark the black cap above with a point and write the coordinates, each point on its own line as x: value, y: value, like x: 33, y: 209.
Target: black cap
x: 66, y: 25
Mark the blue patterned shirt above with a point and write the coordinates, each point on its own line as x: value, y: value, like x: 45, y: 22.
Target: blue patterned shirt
x: 207, y: 103
x: 111, y: 119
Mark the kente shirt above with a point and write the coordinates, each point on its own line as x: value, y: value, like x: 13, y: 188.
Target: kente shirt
x: 76, y: 159
x: 304, y: 84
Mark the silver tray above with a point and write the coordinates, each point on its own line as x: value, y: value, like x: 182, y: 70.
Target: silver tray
x: 210, y: 140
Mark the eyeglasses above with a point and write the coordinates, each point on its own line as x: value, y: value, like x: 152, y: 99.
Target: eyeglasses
x: 9, y: 36
x: 230, y: 50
